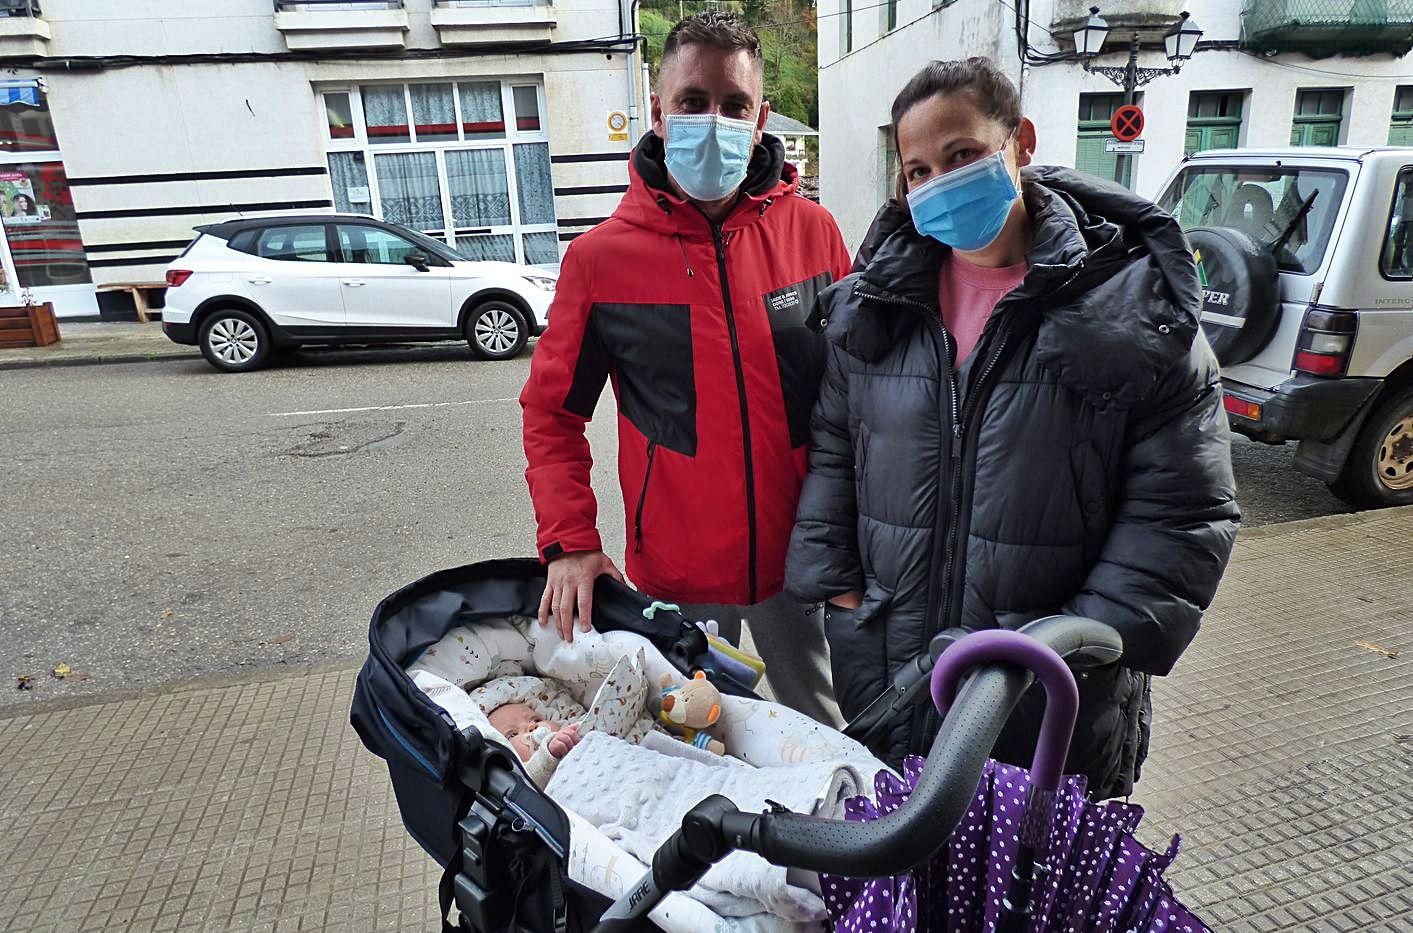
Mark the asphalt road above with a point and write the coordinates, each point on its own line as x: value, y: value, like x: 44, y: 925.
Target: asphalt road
x: 162, y: 522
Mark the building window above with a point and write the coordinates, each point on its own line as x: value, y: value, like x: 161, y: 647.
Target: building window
x: 1096, y: 112
x: 890, y: 15
x: 1400, y: 131
x: 1213, y: 120
x: 888, y: 165
x: 24, y: 119
x: 482, y: 112
x: 846, y: 26
x: 41, y: 229
x: 456, y: 170
x: 338, y: 115
x: 527, y: 109
x: 1319, y: 114
x: 433, y: 112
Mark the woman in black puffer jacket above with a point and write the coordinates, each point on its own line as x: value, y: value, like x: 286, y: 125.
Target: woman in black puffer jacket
x: 1073, y: 457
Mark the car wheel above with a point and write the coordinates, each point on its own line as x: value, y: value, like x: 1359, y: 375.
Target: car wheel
x: 497, y: 330
x: 234, y: 341
x: 1379, y: 472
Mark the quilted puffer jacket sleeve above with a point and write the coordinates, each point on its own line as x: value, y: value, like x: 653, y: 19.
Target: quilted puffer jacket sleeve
x: 567, y: 375
x: 1175, y: 522
x: 823, y: 560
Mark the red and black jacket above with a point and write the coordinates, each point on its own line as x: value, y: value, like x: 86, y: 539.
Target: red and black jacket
x: 702, y: 330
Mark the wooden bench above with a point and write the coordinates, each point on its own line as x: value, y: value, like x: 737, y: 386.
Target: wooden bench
x: 138, y: 291
x: 32, y: 326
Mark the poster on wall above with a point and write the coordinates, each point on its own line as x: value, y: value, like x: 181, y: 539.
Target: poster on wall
x: 17, y: 201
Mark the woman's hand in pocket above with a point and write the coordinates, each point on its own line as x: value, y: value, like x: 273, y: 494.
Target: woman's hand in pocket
x: 850, y: 600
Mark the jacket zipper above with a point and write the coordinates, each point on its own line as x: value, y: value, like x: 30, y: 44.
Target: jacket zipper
x: 720, y: 243
x: 962, y: 413
x: 963, y: 418
x: 642, y: 499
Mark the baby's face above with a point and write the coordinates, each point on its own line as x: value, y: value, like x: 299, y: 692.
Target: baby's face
x: 516, y: 721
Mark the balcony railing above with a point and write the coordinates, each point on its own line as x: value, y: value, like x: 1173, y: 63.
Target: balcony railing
x: 315, y: 6
x: 19, y: 8
x: 1321, y: 28
x: 326, y: 25
x: 494, y: 22
x: 475, y: 4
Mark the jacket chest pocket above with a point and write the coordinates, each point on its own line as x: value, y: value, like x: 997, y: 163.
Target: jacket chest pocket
x: 649, y: 351
x: 799, y: 351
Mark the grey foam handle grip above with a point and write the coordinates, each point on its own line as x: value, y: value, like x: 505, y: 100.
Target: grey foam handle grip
x: 911, y: 834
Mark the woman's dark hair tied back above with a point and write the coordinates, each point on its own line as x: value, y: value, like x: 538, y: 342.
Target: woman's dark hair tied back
x: 988, y: 85
x: 994, y: 95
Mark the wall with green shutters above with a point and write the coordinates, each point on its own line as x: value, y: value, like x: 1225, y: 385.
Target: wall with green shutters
x: 1095, y: 113
x: 1213, y: 120
x: 1319, y: 115
x: 1400, y: 130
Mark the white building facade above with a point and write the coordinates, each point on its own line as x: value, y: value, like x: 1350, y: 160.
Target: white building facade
x: 1252, y: 82
x: 501, y: 127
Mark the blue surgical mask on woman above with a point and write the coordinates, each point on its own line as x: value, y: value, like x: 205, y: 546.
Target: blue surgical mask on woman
x: 967, y: 207
x: 708, y: 154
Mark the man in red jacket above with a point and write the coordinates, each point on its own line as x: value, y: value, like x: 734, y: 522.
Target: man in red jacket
x: 693, y: 299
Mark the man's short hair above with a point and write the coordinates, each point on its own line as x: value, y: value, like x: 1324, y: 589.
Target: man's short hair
x: 722, y: 30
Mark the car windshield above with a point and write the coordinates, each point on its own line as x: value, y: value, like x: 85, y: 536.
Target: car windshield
x: 432, y: 246
x: 1289, y: 210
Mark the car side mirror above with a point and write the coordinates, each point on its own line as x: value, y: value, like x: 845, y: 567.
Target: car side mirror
x: 416, y: 261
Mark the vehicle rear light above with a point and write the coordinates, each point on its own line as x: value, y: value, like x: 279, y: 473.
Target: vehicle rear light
x: 1240, y: 406
x: 1325, y: 341
x: 1319, y: 364
x: 176, y: 277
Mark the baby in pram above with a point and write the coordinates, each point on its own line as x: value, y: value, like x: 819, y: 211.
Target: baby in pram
x: 539, y: 742
x: 624, y: 783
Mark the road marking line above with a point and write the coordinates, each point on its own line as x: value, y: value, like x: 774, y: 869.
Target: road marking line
x: 346, y: 411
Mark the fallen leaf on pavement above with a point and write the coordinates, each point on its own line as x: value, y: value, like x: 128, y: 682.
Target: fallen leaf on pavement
x: 165, y: 614
x: 62, y: 670
x: 26, y: 682
x: 1377, y: 649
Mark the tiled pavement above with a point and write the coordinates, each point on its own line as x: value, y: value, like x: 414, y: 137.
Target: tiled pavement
x: 1283, y: 750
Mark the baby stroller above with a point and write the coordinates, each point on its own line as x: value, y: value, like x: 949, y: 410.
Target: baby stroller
x: 504, y: 844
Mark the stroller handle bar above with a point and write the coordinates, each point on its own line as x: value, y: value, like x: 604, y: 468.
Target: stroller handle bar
x: 899, y: 840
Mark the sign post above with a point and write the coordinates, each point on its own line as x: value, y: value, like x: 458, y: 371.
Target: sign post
x: 1127, y: 124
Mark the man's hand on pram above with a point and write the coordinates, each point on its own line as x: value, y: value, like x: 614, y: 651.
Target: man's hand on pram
x: 571, y: 586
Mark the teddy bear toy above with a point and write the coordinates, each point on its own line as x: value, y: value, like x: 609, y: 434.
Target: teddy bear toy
x: 689, y: 709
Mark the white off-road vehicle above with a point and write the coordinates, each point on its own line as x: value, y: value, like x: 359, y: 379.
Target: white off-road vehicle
x: 1306, y: 257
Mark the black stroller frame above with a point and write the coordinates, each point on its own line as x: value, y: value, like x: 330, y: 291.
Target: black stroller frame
x: 504, y: 845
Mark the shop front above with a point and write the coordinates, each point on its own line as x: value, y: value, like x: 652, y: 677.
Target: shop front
x: 41, y: 251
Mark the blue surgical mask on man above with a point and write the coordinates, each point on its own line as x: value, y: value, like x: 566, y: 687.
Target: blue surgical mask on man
x: 708, y: 154
x: 967, y: 207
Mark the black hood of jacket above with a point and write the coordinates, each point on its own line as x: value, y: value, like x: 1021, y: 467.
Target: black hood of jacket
x: 1110, y: 273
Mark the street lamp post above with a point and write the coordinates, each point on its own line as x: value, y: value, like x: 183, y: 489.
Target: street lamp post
x: 1179, y: 44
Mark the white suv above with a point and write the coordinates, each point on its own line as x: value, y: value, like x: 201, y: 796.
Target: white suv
x: 1306, y: 258
x: 246, y: 288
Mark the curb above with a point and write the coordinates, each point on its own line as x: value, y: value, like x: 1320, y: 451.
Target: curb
x: 212, y: 681
x: 100, y: 360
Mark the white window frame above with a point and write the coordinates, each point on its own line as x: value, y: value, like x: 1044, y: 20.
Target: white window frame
x: 513, y: 136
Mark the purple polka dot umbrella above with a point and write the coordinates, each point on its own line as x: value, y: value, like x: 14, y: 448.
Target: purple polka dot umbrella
x: 1092, y: 875
x: 1032, y: 852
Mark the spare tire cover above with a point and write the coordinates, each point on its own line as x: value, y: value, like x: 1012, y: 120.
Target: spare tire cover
x: 1240, y: 292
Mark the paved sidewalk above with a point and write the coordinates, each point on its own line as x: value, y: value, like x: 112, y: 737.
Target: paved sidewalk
x: 1283, y: 750
x: 89, y: 343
